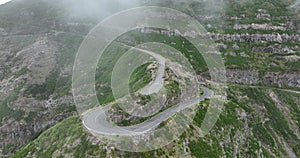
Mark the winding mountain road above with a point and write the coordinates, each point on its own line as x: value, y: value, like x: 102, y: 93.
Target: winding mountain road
x: 96, y: 121
x: 158, y: 82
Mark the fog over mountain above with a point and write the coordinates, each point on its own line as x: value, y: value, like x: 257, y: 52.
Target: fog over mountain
x: 88, y: 8
x: 4, y: 1
x: 259, y: 41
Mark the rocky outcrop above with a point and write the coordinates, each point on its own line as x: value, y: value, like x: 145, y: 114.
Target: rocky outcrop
x: 26, y: 61
x: 252, y: 37
x: 291, y: 58
x: 39, y: 59
x: 39, y: 115
x: 282, y: 79
x: 274, y: 49
x: 263, y: 16
x: 245, y: 37
x: 19, y: 134
x: 250, y: 77
x: 259, y: 27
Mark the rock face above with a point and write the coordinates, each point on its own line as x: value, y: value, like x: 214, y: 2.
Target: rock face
x: 253, y: 37
x: 274, y: 49
x: 282, y: 79
x: 38, y: 58
x: 24, y: 117
x: 29, y: 67
x: 20, y: 133
x: 263, y: 16
x: 244, y: 37
x: 258, y: 27
x: 250, y: 77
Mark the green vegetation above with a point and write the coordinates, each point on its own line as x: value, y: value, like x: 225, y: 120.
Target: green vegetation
x: 115, y: 50
x: 140, y: 78
x: 251, y: 124
x: 144, y: 99
x: 103, y: 74
x: 261, y: 135
x: 250, y: 9
x: 44, y: 90
x: 65, y: 138
x: 55, y: 83
x: 258, y: 135
x: 65, y: 108
x: 181, y: 44
x: 6, y: 111
x: 203, y: 149
x: 173, y: 89
x: 68, y: 138
x: 290, y: 99
x: 30, y: 116
x: 261, y: 61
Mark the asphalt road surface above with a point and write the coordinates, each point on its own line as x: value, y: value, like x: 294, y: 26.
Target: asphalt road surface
x: 96, y: 121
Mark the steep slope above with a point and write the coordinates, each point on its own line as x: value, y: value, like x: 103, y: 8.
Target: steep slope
x: 259, y: 41
x: 251, y: 125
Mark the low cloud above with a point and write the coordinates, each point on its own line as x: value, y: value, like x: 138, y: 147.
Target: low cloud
x: 97, y: 8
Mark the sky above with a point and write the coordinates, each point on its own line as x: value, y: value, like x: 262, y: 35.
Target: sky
x: 4, y: 1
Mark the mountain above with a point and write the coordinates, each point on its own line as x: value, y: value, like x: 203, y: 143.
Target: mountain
x: 259, y: 41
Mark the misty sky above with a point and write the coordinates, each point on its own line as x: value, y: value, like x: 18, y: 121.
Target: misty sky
x: 4, y: 1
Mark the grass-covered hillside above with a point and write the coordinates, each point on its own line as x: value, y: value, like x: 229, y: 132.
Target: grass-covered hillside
x: 252, y: 124
x: 259, y: 41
